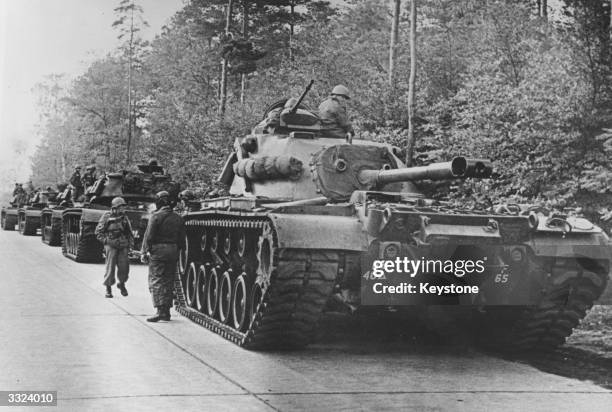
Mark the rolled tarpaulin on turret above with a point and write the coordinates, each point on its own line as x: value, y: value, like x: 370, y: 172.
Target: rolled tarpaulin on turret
x: 269, y: 167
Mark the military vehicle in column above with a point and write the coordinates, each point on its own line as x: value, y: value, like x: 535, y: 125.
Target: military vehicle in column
x: 309, y: 217
x: 51, y: 216
x: 30, y: 215
x: 9, y: 216
x: 136, y: 187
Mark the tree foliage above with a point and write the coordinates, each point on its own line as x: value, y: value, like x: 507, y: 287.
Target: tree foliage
x: 497, y: 79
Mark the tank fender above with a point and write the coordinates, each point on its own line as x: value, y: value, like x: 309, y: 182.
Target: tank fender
x: 595, y: 246
x: 91, y: 215
x: 319, y: 232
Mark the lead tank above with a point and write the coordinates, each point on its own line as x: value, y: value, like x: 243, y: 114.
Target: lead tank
x: 309, y: 216
x: 137, y: 188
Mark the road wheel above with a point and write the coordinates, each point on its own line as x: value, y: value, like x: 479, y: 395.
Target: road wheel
x: 240, y: 303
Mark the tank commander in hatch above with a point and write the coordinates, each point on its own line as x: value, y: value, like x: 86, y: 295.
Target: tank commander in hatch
x: 77, y: 184
x: 334, y: 118
x: 115, y: 232
x: 89, y: 178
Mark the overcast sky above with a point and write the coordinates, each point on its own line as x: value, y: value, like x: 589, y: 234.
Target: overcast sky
x: 42, y: 37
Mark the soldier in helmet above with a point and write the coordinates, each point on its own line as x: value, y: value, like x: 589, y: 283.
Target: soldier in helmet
x: 164, y: 237
x: 19, y: 195
x: 115, y: 232
x: 77, y: 184
x: 89, y: 178
x: 185, y: 198
x: 332, y: 112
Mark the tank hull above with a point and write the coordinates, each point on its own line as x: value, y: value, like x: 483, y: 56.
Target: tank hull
x: 261, y: 274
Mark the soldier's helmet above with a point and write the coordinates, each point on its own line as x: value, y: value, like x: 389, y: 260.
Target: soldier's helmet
x: 341, y: 90
x: 118, y: 201
x: 153, y: 162
x: 163, y: 194
x: 77, y: 168
x: 90, y: 167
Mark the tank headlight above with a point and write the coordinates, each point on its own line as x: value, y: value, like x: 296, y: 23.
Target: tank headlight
x: 517, y: 255
x: 391, y: 251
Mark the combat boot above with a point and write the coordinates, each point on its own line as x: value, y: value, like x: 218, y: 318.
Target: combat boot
x: 121, y: 287
x: 165, y: 313
x: 156, y: 318
x: 109, y: 292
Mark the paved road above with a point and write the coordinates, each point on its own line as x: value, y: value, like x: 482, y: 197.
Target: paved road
x: 58, y: 332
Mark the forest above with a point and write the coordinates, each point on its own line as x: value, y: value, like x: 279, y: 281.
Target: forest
x: 525, y: 83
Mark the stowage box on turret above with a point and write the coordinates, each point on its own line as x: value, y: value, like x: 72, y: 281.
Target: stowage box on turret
x: 312, y: 217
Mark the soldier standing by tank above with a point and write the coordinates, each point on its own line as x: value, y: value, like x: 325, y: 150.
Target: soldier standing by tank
x: 164, y: 237
x: 332, y: 112
x: 89, y: 178
x: 115, y: 232
x: 75, y: 181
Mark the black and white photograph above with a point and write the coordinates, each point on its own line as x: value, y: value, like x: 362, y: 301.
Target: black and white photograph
x: 306, y: 205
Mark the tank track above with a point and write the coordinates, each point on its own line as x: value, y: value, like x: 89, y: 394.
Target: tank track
x: 25, y: 226
x: 9, y: 222
x: 301, y: 282
x: 53, y: 235
x: 566, y: 301
x: 82, y: 249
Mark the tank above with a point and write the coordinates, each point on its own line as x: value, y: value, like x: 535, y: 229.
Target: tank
x: 137, y: 188
x: 309, y: 216
x: 51, y: 217
x: 9, y: 215
x: 29, y: 217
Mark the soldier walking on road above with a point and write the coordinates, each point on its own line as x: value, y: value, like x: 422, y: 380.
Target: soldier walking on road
x: 115, y: 232
x: 164, y: 237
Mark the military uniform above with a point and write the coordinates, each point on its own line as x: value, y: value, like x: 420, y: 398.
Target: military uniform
x: 334, y: 119
x: 115, y: 232
x: 88, y: 179
x: 75, y: 181
x: 164, y: 237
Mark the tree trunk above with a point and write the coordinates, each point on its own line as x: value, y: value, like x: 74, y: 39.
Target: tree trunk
x: 544, y: 9
x: 223, y: 94
x: 411, y: 81
x: 245, y: 26
x: 130, y: 58
x: 291, y: 28
x: 394, y: 39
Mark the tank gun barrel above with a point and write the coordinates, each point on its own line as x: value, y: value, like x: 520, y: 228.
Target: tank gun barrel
x: 293, y: 110
x: 459, y: 167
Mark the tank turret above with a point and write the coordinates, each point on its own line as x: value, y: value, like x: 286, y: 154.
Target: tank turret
x: 138, y: 186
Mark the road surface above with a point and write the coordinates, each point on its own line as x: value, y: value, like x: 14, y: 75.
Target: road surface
x: 60, y: 333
